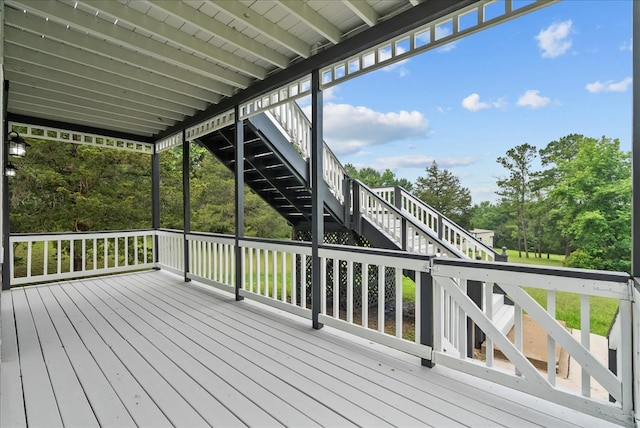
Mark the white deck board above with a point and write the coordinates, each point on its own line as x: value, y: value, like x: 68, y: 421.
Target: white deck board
x: 445, y: 396
x: 138, y: 403
x: 12, y: 413
x: 141, y: 363
x: 40, y: 401
x: 263, y: 356
x: 228, y: 365
x: 72, y: 403
x: 149, y: 350
x: 111, y: 411
x: 341, y: 384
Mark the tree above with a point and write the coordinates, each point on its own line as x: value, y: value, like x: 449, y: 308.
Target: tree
x: 516, y: 188
x: 374, y: 178
x: 65, y: 187
x: 442, y: 190
x: 76, y: 188
x: 557, y: 152
x: 486, y: 215
x: 592, y: 192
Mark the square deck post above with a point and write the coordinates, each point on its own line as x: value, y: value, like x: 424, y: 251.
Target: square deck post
x: 239, y: 176
x: 186, y: 202
x: 317, y: 198
x: 426, y: 314
x: 6, y: 245
x: 155, y: 201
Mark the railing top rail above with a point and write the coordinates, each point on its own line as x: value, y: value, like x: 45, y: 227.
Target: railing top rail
x: 276, y: 241
x: 470, y: 236
x: 170, y: 230
x: 113, y: 232
x: 211, y: 234
x: 377, y: 252
x: 596, y: 275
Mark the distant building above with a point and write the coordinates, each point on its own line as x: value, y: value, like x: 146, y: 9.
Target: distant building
x: 484, y: 235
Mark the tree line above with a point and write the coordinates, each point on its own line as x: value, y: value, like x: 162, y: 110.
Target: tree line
x: 572, y: 197
x: 62, y: 187
x: 576, y: 201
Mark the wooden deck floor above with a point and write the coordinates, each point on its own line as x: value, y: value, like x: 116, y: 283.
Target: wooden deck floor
x: 149, y: 350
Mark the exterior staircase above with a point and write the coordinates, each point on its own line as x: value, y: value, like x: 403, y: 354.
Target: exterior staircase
x: 277, y: 148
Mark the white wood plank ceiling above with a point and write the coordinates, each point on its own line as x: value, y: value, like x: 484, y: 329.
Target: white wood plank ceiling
x: 143, y: 67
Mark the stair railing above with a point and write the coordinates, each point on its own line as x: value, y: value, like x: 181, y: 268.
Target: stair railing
x: 295, y: 124
x: 297, y: 127
x: 447, y: 230
x: 404, y: 231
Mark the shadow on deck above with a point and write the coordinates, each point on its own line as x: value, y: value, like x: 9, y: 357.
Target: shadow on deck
x: 147, y: 349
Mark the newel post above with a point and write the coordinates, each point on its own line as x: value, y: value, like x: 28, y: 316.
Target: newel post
x: 357, y: 207
x: 397, y: 202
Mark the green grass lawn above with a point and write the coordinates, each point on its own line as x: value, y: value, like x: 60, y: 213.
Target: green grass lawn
x: 555, y: 260
x: 568, y: 304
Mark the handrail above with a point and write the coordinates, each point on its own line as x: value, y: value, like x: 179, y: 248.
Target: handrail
x: 297, y: 127
x: 101, y: 232
x: 404, y: 231
x: 295, y: 124
x: 446, y: 229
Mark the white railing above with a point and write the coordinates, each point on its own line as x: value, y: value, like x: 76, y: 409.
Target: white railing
x: 171, y: 250
x: 277, y: 273
x: 51, y: 257
x: 454, y: 278
x: 295, y: 124
x: 389, y: 220
x: 212, y: 260
x: 410, y: 302
x: 351, y: 277
x: 466, y: 244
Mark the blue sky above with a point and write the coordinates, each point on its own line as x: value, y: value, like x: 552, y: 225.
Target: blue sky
x: 563, y: 69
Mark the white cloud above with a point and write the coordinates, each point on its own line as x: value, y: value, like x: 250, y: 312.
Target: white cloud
x: 422, y: 161
x: 484, y: 193
x: 328, y: 94
x: 331, y: 93
x: 554, y: 40
x: 397, y: 66
x: 441, y: 31
x: 448, y: 47
x: 445, y: 31
x: 610, y: 86
x: 627, y: 46
x: 533, y: 99
x: 499, y: 103
x: 349, y: 129
x: 473, y: 103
